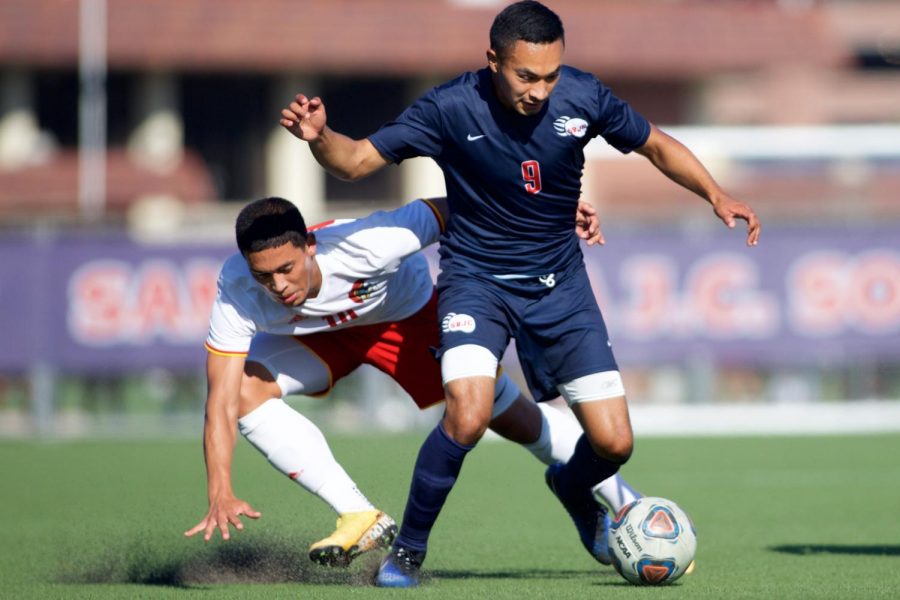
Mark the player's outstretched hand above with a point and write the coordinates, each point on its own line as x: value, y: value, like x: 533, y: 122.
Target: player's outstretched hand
x: 222, y: 512
x: 304, y: 118
x: 587, y: 224
x: 728, y: 209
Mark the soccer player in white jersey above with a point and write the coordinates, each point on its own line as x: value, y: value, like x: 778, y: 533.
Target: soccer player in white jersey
x: 297, y: 310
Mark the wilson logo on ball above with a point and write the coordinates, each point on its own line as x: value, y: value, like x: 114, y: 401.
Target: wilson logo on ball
x: 620, y: 516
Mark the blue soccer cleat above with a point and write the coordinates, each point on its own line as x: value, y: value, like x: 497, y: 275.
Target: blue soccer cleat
x: 400, y: 568
x: 591, y: 520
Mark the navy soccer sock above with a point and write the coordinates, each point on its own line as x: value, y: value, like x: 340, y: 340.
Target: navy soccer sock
x: 583, y: 471
x: 437, y: 467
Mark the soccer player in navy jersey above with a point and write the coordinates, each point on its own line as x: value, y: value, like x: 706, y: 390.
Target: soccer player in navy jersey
x: 509, y: 139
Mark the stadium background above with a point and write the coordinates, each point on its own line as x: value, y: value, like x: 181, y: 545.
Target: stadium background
x: 132, y: 132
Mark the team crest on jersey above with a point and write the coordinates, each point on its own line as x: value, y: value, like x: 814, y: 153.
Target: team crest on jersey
x: 570, y: 126
x: 361, y: 290
x: 458, y: 322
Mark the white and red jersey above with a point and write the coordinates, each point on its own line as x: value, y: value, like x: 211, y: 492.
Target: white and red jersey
x: 371, y: 273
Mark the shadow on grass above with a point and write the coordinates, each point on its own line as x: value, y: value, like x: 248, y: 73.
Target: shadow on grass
x: 523, y: 574
x: 869, y: 550
x: 261, y: 560
x: 598, y: 577
x: 257, y: 560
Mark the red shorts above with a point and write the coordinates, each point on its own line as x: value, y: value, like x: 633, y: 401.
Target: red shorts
x: 402, y: 349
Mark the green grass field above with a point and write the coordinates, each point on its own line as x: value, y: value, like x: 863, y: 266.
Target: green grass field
x: 804, y: 517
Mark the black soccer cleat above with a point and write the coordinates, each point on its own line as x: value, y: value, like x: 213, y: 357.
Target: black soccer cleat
x: 400, y: 568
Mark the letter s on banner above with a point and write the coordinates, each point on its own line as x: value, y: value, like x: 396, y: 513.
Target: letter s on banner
x: 97, y: 307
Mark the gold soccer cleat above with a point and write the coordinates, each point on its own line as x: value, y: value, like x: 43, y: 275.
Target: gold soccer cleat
x: 356, y: 533
x: 691, y: 567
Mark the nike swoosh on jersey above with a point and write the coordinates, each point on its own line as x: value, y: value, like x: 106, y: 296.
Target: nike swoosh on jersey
x: 472, y: 138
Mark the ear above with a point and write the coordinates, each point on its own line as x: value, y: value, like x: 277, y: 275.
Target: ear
x: 310, y: 244
x: 493, y: 60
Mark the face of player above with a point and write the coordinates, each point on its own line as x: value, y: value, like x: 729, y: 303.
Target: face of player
x: 526, y: 74
x: 289, y: 273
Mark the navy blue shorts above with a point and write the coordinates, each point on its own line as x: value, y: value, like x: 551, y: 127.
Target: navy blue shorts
x: 559, y: 331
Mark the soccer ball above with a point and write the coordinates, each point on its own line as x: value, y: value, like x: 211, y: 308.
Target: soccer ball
x: 652, y: 541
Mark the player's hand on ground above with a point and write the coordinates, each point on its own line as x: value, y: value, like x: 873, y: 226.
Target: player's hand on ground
x: 728, y: 209
x: 587, y: 224
x: 222, y: 513
x: 304, y: 117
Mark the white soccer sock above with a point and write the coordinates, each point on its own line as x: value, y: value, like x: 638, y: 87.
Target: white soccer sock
x: 559, y: 434
x: 296, y: 447
x: 541, y: 446
x: 615, y: 492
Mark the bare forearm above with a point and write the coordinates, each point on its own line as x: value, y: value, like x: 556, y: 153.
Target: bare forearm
x: 220, y: 427
x: 340, y: 155
x: 223, y: 375
x: 680, y: 165
x: 219, y: 435
x: 344, y: 157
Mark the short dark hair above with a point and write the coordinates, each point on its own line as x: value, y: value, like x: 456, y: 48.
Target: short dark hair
x: 528, y: 21
x: 269, y: 223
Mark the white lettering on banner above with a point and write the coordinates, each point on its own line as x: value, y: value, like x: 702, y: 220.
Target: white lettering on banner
x: 816, y: 285
x: 723, y: 289
x: 721, y: 299
x: 116, y: 303
x: 831, y: 292
x: 875, y: 293
x: 96, y: 307
x: 651, y: 282
x: 201, y: 276
x: 826, y: 294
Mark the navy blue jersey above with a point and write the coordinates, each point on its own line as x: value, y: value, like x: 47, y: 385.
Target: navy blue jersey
x: 513, y: 181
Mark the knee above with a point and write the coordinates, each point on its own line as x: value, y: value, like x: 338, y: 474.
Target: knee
x: 257, y: 386
x: 468, y: 412
x: 620, y: 451
x: 618, y: 448
x: 465, y: 427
